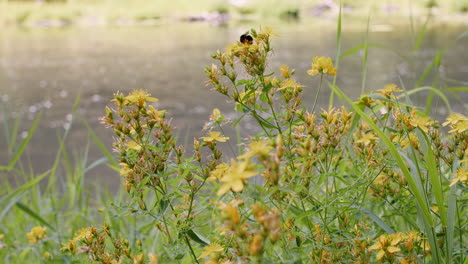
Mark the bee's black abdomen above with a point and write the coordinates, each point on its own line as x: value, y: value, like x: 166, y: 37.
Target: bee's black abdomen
x: 246, y: 39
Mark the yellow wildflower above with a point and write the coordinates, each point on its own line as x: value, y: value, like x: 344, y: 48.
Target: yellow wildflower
x: 234, y: 179
x: 210, y: 249
x: 455, y: 118
x: 386, y: 245
x: 260, y: 148
x: 256, y: 246
x: 410, y: 239
x: 143, y: 127
x: 83, y: 234
x: 284, y: 69
x: 459, y: 127
x: 219, y: 171
x: 36, y: 234
x: 268, y: 31
x: 138, y: 259
x: 290, y: 83
x: 365, y: 100
x: 230, y: 211
x: 382, y: 180
x: 389, y: 90
x: 405, y: 142
x: 216, y: 114
x: 133, y: 145
x: 322, y: 65
x: 462, y: 176
x: 425, y: 245
x: 367, y: 139
x: 421, y: 121
x: 458, y: 123
x: 124, y: 169
x: 247, y: 97
x: 214, y: 136
x: 230, y: 48
x: 140, y: 97
x: 153, y: 258
x: 70, y: 247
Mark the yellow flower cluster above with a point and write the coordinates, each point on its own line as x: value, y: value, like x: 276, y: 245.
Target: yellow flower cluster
x: 421, y: 122
x: 322, y: 65
x: 36, y: 234
x: 214, y: 136
x: 458, y: 123
x: 235, y: 177
x: 461, y: 176
x: 387, y: 246
x: 211, y: 249
x: 140, y: 97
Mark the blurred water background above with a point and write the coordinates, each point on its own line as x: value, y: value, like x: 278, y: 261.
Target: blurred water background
x: 47, y: 69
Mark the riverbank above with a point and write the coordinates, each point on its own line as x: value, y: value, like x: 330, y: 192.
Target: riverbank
x: 139, y: 13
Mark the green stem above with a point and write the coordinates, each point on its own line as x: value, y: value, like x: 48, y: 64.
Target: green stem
x: 191, y: 249
x: 274, y: 115
x: 316, y: 95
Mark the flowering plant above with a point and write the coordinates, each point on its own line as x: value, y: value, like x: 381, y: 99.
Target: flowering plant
x: 344, y: 185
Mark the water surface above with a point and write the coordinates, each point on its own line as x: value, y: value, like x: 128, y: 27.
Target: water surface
x: 47, y: 69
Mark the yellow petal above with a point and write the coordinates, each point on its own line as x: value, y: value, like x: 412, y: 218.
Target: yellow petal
x: 392, y: 249
x: 237, y: 186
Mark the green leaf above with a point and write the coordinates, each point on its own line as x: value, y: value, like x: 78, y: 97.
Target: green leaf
x: 163, y: 204
x: 432, y: 89
x: 451, y: 214
x: 23, y: 145
x: 33, y: 214
x: 376, y: 219
x: 23, y: 188
x: 435, y: 180
x: 198, y: 238
x: 266, y: 124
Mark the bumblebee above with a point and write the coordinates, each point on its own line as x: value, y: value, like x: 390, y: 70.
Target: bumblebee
x: 246, y: 39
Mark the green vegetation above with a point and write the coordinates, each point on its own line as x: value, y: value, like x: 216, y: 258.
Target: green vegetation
x: 374, y: 181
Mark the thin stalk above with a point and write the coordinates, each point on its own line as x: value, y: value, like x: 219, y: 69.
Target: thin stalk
x: 229, y: 142
x: 318, y: 92
x: 191, y: 249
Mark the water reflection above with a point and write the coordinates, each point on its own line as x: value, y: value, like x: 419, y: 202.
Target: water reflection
x: 46, y: 70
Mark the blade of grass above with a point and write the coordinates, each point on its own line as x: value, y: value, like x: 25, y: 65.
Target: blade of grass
x: 100, y: 145
x: 376, y: 219
x: 9, y: 205
x: 338, y: 51
x: 435, y: 63
x: 424, y: 88
x: 451, y: 219
x: 14, y: 135
x: 33, y: 214
x: 25, y: 142
x: 422, y: 33
x: 456, y: 89
x: 24, y: 187
x: 365, y: 57
x: 435, y: 180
